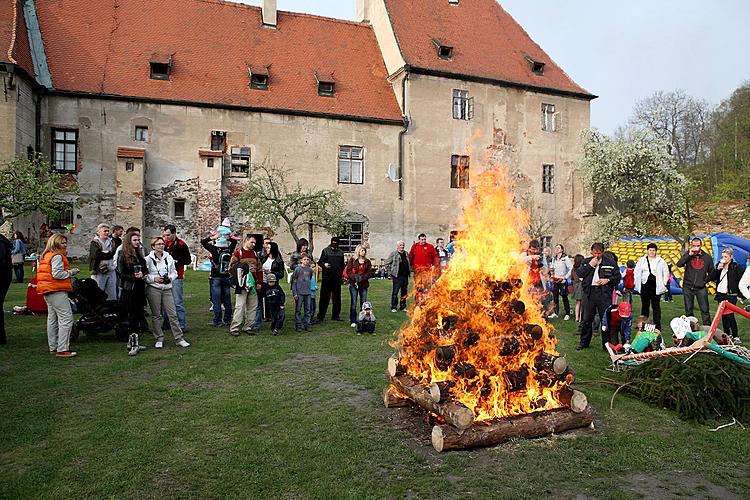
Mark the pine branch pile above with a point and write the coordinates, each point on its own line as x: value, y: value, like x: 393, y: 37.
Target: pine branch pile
x: 706, y: 387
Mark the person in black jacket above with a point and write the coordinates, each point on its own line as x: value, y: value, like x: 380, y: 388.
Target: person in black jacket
x: 331, y: 262
x: 131, y: 272
x: 600, y: 276
x: 727, y: 276
x: 698, y: 266
x: 221, y: 284
x: 6, y: 273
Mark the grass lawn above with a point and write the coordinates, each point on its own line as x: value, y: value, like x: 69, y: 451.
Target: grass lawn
x: 302, y: 416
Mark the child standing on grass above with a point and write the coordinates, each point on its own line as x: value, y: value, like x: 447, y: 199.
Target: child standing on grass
x: 301, y: 279
x: 275, y: 299
x: 628, y: 282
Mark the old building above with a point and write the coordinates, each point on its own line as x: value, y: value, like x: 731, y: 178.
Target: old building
x: 159, y: 108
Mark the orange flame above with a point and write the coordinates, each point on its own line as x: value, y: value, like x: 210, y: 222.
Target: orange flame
x: 479, y: 328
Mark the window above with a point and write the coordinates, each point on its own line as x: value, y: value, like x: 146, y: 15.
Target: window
x: 326, y: 89
x: 444, y: 50
x: 546, y: 241
x: 179, y: 209
x: 463, y: 105
x: 159, y: 71
x: 129, y: 166
x: 548, y: 117
x: 259, y: 82
x: 537, y: 67
x: 218, y: 140
x: 62, y: 219
x: 351, y: 165
x: 141, y: 134
x: 240, y: 161
x: 349, y: 242
x: 548, y: 179
x: 459, y: 172
x: 210, y: 163
x: 65, y: 150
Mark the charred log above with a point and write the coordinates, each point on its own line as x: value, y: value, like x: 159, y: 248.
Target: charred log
x: 575, y: 400
x: 557, y: 364
x: 440, y: 391
x: 395, y: 368
x: 465, y: 370
x: 471, y: 339
x: 534, y: 331
x: 444, y: 357
x: 516, y: 381
x: 532, y: 425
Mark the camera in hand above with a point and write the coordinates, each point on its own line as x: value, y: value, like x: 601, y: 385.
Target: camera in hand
x: 165, y: 279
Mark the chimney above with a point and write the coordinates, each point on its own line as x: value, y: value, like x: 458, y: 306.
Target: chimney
x: 363, y: 11
x: 268, y: 9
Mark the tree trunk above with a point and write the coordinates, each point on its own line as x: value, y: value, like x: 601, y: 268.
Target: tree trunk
x: 452, y: 412
x: 532, y: 425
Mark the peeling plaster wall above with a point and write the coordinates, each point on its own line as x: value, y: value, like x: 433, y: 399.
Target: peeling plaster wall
x: 506, y: 129
x: 173, y: 168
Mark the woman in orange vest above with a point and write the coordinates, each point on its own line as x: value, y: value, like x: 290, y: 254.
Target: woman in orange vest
x: 53, y: 282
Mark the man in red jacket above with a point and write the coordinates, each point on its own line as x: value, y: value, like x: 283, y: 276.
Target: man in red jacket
x: 180, y: 252
x: 424, y: 260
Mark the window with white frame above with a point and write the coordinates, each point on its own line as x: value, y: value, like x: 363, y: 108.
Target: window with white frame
x: 240, y: 161
x: 218, y: 140
x: 348, y: 242
x: 546, y: 241
x: 463, y: 105
x: 351, y: 165
x: 141, y: 134
x: 64, y: 150
x: 548, y: 179
x: 548, y: 117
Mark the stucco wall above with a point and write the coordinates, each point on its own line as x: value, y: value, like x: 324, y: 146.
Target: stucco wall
x: 506, y: 128
x: 174, y: 169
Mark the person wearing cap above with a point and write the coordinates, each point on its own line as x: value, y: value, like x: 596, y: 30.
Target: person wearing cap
x: 275, y: 299
x: 651, y: 278
x: 101, y: 261
x: 366, y: 320
x: 331, y: 263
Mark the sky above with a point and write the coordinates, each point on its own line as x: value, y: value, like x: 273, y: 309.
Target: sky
x: 623, y: 51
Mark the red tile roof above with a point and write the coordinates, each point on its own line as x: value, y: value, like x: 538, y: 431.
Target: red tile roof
x: 126, y: 152
x: 14, y: 41
x: 487, y: 43
x: 94, y: 47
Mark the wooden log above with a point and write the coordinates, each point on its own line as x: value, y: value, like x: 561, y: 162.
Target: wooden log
x: 452, y: 412
x: 558, y: 364
x: 531, y: 425
x: 394, y: 366
x: 534, y: 331
x: 392, y: 398
x: 440, y: 391
x: 575, y: 400
x: 444, y: 357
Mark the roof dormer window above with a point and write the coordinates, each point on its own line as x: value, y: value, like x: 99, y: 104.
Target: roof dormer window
x: 444, y: 50
x: 258, y: 77
x: 452, y: 2
x: 537, y: 67
x: 161, y: 66
x: 326, y: 83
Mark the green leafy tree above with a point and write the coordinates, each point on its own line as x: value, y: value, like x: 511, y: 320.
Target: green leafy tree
x: 272, y: 198
x: 728, y: 166
x: 636, y: 183
x: 28, y: 186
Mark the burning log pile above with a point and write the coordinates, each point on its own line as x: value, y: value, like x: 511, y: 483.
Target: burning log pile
x: 477, y: 352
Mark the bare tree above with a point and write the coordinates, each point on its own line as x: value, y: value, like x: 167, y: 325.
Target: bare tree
x: 681, y: 120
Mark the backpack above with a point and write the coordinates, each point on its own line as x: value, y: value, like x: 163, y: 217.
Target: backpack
x: 241, y: 277
x: 629, y: 281
x: 225, y: 256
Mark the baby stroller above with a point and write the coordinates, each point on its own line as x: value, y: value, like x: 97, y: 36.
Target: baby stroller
x: 98, y: 315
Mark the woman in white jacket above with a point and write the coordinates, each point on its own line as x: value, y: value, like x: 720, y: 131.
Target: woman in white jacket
x: 651, y: 278
x: 161, y: 273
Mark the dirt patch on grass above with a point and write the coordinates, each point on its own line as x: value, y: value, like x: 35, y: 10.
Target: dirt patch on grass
x: 679, y: 485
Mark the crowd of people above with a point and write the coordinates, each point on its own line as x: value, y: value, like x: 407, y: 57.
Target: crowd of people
x: 245, y: 284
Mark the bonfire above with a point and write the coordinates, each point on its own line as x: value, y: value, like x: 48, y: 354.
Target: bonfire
x: 477, y: 352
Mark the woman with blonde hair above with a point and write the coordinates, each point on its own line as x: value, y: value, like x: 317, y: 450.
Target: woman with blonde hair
x: 161, y: 274
x: 53, y: 282
x: 358, y: 272
x: 727, y: 276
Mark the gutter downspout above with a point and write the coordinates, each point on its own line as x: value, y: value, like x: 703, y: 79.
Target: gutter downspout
x: 401, y: 134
